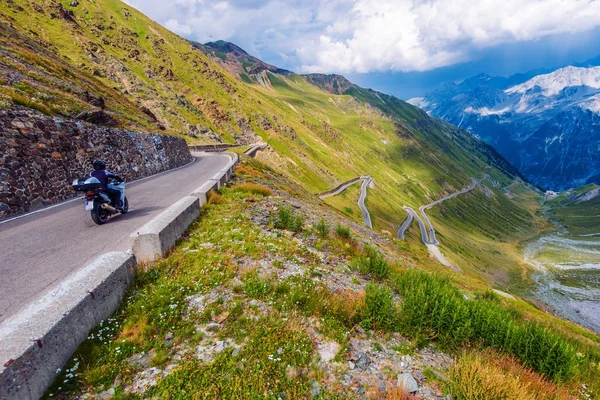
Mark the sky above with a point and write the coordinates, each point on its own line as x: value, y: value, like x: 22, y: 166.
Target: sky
x: 401, y: 47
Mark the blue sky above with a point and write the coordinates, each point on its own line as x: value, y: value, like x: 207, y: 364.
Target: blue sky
x: 401, y: 47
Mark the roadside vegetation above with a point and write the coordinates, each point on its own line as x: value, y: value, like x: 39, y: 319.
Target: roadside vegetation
x: 270, y: 293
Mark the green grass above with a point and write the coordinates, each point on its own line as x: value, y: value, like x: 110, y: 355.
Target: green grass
x: 286, y: 219
x: 236, y: 262
x: 578, y: 216
x: 322, y: 228
x: 434, y: 308
x: 372, y: 263
x: 259, y: 370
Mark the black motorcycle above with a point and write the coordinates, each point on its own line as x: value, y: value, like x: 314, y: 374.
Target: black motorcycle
x: 98, y: 202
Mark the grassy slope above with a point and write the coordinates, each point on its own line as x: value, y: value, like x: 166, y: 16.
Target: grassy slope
x: 238, y: 268
x: 482, y: 235
x: 320, y: 139
x: 580, y: 217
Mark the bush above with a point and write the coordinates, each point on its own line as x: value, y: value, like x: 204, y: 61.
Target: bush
x: 434, y: 307
x: 373, y: 263
x: 322, y: 228
x: 379, y: 311
x: 342, y: 231
x: 253, y: 188
x: 285, y: 219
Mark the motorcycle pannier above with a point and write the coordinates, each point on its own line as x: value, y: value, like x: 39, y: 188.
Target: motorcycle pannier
x: 85, y: 184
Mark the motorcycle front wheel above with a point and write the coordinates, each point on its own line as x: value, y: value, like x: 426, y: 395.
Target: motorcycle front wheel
x: 99, y: 214
x: 125, y: 209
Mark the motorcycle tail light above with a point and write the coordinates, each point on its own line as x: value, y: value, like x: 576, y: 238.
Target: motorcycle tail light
x: 90, y: 193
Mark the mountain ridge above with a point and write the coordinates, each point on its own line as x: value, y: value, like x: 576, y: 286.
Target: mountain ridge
x: 531, y: 123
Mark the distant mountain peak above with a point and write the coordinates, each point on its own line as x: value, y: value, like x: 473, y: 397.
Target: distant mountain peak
x: 556, y: 81
x: 332, y: 83
x: 226, y: 47
x: 238, y: 62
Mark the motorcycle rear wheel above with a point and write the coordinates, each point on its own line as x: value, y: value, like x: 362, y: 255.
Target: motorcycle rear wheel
x: 99, y: 214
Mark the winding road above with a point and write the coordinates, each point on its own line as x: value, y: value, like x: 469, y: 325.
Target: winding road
x: 38, y: 250
x: 361, y: 202
x: 366, y: 181
x: 507, y: 188
x: 428, y: 233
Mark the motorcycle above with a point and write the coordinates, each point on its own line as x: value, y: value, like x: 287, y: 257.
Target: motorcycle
x: 98, y: 202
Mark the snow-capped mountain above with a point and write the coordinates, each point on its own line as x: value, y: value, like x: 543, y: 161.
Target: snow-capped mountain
x: 547, y: 125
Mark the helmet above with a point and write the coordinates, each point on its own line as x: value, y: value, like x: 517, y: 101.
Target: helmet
x: 99, y: 165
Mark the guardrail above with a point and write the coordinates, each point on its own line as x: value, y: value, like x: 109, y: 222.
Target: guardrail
x: 212, y: 148
x: 37, y: 342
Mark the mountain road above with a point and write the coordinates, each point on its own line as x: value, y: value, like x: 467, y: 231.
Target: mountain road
x: 40, y: 249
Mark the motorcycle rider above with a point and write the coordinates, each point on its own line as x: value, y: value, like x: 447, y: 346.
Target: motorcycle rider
x: 103, y: 176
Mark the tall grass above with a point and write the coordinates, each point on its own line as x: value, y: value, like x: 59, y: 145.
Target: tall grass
x: 253, y: 188
x: 286, y: 219
x: 379, y: 311
x: 343, y: 232
x: 492, y: 376
x: 433, y: 307
x: 322, y: 228
x: 373, y: 263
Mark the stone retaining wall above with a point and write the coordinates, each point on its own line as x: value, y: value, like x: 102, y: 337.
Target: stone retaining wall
x: 40, y: 156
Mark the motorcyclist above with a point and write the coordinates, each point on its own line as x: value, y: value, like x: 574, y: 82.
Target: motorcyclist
x: 103, y: 176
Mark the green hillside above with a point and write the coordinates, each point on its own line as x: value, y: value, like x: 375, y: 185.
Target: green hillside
x: 152, y: 79
x: 578, y: 210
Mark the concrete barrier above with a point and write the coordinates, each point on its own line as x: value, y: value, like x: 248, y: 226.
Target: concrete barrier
x: 254, y: 149
x: 155, y: 238
x: 202, y: 192
x: 38, y: 341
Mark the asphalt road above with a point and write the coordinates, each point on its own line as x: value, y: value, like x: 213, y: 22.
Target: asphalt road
x: 366, y: 181
x: 361, y: 202
x: 402, y: 228
x: 428, y: 234
x: 341, y: 188
x: 40, y: 249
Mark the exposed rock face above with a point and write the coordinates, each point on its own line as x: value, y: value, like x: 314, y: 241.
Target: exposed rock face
x: 335, y: 84
x: 97, y: 117
x: 42, y: 155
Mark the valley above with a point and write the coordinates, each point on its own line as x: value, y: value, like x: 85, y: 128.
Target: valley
x: 567, y: 260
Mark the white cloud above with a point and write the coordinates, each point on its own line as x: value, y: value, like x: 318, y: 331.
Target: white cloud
x: 175, y: 26
x: 372, y: 35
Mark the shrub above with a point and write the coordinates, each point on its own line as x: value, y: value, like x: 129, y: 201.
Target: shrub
x: 373, y: 263
x: 379, y: 311
x: 285, y: 219
x: 342, y: 231
x: 253, y: 188
x: 433, y: 307
x: 322, y: 228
